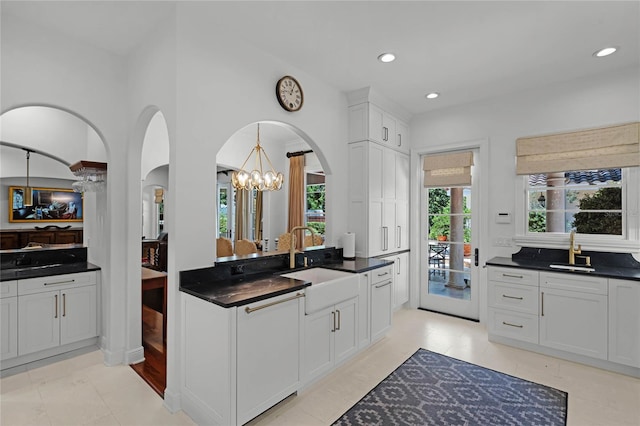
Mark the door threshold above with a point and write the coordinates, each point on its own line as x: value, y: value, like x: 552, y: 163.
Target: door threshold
x: 450, y: 315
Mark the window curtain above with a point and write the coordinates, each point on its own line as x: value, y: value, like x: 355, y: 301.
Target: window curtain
x: 241, y: 213
x: 601, y: 148
x: 258, y: 216
x: 296, y: 196
x: 446, y: 170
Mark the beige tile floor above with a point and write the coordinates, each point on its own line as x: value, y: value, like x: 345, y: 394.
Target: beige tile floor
x: 83, y: 391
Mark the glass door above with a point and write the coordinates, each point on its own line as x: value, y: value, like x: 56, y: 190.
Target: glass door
x: 449, y: 270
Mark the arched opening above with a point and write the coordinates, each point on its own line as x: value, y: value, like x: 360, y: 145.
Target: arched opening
x: 152, y: 311
x: 263, y: 218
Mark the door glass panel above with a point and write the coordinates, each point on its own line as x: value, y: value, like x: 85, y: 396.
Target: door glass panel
x: 449, y: 241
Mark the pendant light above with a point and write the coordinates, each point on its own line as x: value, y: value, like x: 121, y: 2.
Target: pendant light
x: 28, y: 191
x: 257, y: 179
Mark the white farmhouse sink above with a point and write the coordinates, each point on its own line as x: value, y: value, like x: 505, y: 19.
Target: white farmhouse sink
x: 572, y: 268
x: 327, y: 288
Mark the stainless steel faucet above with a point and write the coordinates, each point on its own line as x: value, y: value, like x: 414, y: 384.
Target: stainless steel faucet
x: 292, y: 248
x: 573, y: 251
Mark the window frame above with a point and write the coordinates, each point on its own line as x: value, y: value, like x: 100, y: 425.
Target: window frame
x: 628, y: 241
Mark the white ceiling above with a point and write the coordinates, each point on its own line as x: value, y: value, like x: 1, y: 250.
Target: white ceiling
x: 467, y: 51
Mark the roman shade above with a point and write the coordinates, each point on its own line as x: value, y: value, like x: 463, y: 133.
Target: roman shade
x: 601, y: 148
x: 453, y: 169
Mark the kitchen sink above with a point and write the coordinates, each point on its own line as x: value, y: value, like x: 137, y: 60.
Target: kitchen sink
x: 572, y: 267
x: 327, y: 288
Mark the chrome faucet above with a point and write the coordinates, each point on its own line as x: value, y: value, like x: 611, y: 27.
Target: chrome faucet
x: 573, y: 251
x: 292, y: 247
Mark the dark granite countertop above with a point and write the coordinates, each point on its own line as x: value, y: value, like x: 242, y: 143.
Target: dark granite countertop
x: 46, y: 270
x: 360, y: 264
x: 604, y: 271
x: 245, y: 289
x: 240, y: 281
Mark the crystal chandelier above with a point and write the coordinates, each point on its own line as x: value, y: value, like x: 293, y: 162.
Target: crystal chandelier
x: 91, y: 174
x: 256, y: 179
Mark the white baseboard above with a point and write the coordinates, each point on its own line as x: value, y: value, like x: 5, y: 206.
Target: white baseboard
x: 134, y: 356
x: 172, y: 401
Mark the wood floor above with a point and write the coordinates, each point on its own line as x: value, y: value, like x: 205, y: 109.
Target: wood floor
x: 154, y: 367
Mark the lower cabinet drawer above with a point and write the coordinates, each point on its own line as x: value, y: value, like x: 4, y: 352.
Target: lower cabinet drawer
x: 514, y: 325
x: 513, y: 297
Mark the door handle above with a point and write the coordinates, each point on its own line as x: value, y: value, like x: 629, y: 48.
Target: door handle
x: 475, y: 257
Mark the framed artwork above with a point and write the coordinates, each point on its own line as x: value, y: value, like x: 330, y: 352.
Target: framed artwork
x: 49, y: 205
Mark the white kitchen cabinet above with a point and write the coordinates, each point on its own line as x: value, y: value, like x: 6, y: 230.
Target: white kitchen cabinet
x: 370, y: 122
x: 573, y: 313
x: 364, y: 309
x: 624, y: 322
x: 55, y: 311
x: 381, y: 296
x: 402, y: 135
x: 8, y: 320
x: 400, y: 278
x: 513, y: 303
x: 378, y: 199
x: 331, y: 336
x: 268, y: 354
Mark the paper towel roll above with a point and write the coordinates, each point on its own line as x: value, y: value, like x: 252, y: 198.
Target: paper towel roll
x: 349, y: 245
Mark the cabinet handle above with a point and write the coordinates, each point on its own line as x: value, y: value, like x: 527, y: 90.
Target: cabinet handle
x: 512, y: 297
x: 382, y: 275
x: 64, y: 305
x: 399, y: 236
x: 333, y: 318
x: 513, y: 276
x: 338, y: 311
x: 542, y: 303
x: 399, y: 139
x: 398, y: 259
x: 56, y: 304
x: 61, y: 282
x: 385, y: 134
x: 266, y: 305
x: 383, y: 285
x: 512, y: 325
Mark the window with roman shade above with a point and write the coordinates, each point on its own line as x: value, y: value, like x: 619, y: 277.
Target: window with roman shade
x: 580, y: 181
x: 446, y: 170
x: 602, y: 148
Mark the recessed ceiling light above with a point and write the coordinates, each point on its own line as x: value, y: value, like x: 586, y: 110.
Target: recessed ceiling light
x: 432, y: 95
x: 605, y: 52
x: 387, y: 57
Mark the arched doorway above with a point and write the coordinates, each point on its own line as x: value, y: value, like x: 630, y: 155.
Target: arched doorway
x: 154, y: 173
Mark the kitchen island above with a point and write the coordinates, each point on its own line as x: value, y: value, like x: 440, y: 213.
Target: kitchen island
x: 249, y: 340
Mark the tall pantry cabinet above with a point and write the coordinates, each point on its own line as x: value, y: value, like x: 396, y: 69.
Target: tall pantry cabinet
x: 378, y: 182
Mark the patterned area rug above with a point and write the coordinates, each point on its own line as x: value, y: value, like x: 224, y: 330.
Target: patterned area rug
x: 434, y: 389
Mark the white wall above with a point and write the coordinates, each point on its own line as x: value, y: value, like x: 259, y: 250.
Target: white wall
x: 41, y: 67
x: 573, y: 105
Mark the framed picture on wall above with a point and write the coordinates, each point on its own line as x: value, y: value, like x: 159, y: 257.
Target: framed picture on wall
x: 49, y: 205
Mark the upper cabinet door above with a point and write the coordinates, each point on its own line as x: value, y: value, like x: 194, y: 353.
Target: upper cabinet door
x: 376, y: 124
x: 402, y: 135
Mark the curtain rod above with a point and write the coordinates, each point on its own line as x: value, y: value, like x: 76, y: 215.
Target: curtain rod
x: 298, y: 153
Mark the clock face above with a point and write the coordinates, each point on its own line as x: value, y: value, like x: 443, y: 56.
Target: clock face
x: 289, y: 93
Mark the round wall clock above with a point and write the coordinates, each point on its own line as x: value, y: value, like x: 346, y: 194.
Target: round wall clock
x: 289, y: 93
